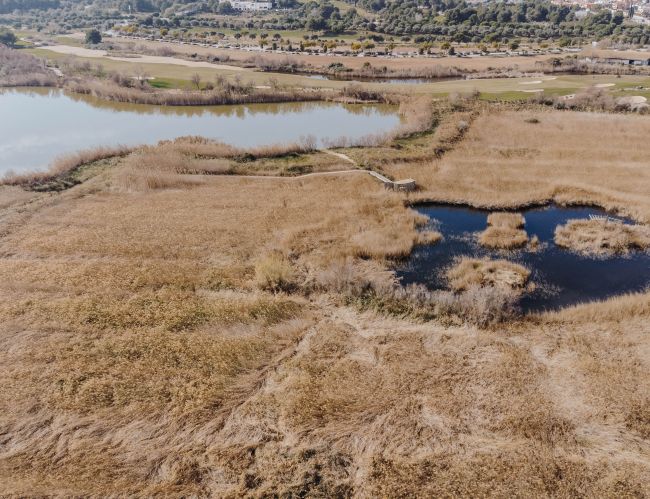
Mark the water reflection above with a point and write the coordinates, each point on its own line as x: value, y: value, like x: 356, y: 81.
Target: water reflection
x: 239, y: 110
x: 562, y: 277
x: 38, y: 124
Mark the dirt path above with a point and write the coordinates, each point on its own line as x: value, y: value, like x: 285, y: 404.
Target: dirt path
x: 340, y: 155
x: 144, y: 59
x: 406, y: 184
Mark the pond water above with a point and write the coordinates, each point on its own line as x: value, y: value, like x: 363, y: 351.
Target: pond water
x: 562, y: 277
x: 37, y: 125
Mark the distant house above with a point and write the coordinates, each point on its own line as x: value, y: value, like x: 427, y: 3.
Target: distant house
x: 251, y: 5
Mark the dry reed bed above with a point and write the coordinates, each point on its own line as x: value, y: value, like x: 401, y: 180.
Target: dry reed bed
x: 504, y: 231
x: 149, y: 347
x: 220, y: 96
x: 507, y: 160
x: 21, y: 69
x: 602, y: 237
x: 64, y: 166
x: 477, y: 272
x: 182, y: 161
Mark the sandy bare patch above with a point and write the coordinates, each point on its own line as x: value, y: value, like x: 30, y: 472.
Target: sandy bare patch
x: 602, y: 237
x: 533, y: 90
x: 535, y: 82
x: 604, y: 85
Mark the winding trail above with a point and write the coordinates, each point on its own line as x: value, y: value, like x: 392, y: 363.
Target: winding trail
x: 405, y: 184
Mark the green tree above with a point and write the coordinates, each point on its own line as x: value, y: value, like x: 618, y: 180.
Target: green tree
x: 7, y: 37
x: 93, y: 36
x: 225, y: 8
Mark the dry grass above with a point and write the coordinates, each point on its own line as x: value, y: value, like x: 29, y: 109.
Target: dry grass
x: 60, y: 172
x: 568, y: 157
x: 428, y: 237
x: 182, y: 162
x: 275, y: 273
x: 506, y: 219
x: 504, y: 231
x: 229, y: 94
x: 140, y: 356
x: 144, y: 310
x: 602, y: 237
x: 475, y: 272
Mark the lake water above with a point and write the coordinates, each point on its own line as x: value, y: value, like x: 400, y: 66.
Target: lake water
x: 562, y: 277
x: 37, y: 125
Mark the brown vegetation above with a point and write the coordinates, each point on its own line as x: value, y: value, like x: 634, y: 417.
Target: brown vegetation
x: 181, y: 161
x: 602, y: 237
x: 428, y: 237
x: 61, y: 173
x: 18, y: 69
x: 590, y: 99
x: 226, y: 94
x: 245, y: 337
x: 476, y: 272
x: 504, y: 231
x: 504, y: 161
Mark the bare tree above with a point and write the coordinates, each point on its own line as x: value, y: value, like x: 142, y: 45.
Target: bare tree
x: 196, y: 79
x: 141, y: 75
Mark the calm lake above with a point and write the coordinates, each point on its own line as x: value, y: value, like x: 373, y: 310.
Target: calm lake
x: 562, y: 277
x: 37, y: 125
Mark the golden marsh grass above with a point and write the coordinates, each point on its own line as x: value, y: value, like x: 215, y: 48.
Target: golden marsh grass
x: 206, y: 338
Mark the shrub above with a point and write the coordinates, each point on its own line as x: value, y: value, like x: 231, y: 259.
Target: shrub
x: 275, y: 273
x: 93, y: 37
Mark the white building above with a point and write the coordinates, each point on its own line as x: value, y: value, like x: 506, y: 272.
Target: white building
x: 251, y: 5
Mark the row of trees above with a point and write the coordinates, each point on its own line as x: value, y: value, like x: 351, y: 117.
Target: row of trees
x: 7, y: 6
x: 457, y: 20
x: 423, y: 20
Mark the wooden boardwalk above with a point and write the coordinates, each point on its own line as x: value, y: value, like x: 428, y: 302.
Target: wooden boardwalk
x: 396, y: 185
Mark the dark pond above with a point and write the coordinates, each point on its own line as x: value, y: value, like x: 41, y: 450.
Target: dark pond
x: 562, y: 277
